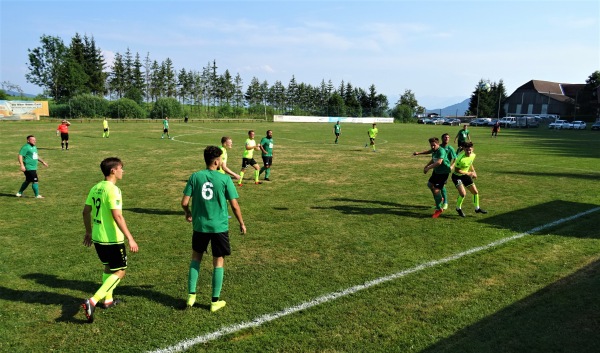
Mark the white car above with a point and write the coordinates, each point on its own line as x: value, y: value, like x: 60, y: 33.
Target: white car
x: 579, y: 125
x: 560, y: 125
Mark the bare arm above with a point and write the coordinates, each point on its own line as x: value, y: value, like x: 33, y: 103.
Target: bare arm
x: 238, y: 214
x: 229, y: 171
x: 120, y: 220
x: 432, y: 165
x: 21, y: 163
x: 185, y: 204
x: 424, y: 152
x: 87, y: 222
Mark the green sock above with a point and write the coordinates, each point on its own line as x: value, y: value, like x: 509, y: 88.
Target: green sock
x: 217, y: 282
x: 256, y: 175
x: 241, y: 177
x: 459, y: 201
x: 262, y: 169
x: 268, y: 173
x: 476, y: 201
x: 193, y: 276
x: 373, y: 147
x: 438, y: 200
x: 36, y: 189
x: 445, y: 194
x: 23, y: 187
x: 109, y: 284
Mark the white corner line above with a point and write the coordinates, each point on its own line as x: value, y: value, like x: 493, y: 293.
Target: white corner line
x: 183, y: 345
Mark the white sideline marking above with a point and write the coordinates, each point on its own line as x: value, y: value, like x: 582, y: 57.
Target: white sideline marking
x: 183, y: 345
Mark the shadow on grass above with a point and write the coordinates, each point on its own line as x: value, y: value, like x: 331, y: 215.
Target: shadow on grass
x: 154, y: 211
x: 523, y: 220
x: 70, y: 304
x: 8, y: 195
x: 369, y: 207
x: 562, y: 317
x: 578, y: 175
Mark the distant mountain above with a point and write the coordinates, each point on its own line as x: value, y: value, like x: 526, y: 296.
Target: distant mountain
x: 452, y: 110
x: 17, y: 94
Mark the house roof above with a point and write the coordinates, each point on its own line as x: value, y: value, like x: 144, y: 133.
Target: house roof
x: 554, y: 90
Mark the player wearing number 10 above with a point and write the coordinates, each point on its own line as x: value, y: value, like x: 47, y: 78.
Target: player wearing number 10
x: 105, y: 227
x: 209, y: 192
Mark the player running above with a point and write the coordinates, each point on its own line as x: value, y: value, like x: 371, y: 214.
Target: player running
x: 372, y: 133
x: 463, y: 176
x: 266, y: 146
x: 441, y: 169
x: 248, y: 160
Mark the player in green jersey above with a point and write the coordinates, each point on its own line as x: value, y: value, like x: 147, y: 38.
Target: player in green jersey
x: 105, y: 227
x: 372, y: 133
x: 450, y: 156
x: 28, y: 160
x: 463, y: 176
x: 337, y: 130
x: 166, y: 128
x: 105, y: 132
x: 247, y: 158
x: 226, y: 144
x: 209, y: 192
x: 441, y: 169
x: 266, y: 147
x: 462, y: 136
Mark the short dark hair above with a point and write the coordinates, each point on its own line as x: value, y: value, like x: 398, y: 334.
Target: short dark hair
x: 446, y: 134
x: 224, y: 139
x: 434, y: 139
x: 467, y: 145
x: 211, y: 153
x: 249, y: 131
x: 109, y: 163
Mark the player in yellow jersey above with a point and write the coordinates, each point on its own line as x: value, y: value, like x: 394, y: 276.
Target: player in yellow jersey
x: 226, y: 144
x: 372, y: 132
x: 248, y: 158
x: 105, y: 227
x: 463, y: 176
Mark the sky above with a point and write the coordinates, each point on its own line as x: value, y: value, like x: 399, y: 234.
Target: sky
x: 437, y: 49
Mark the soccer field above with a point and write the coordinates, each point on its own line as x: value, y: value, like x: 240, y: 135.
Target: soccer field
x: 341, y: 253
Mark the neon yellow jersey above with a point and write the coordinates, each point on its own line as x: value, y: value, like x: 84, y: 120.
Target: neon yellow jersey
x: 105, y: 124
x: 463, y: 162
x: 223, y: 158
x: 249, y: 153
x: 373, y: 132
x: 103, y: 198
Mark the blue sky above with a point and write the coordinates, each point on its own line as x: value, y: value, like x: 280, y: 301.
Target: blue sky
x: 437, y: 49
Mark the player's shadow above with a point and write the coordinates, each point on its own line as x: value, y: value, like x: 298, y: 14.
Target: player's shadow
x: 562, y: 317
x: 88, y: 288
x: 373, y: 207
x: 8, y: 195
x: 526, y: 219
x: 70, y: 305
x: 579, y: 175
x: 155, y: 211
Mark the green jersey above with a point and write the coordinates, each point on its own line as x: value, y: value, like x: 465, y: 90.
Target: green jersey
x: 210, y: 191
x: 103, y: 198
x: 166, y: 124
x: 462, y: 135
x: 249, y: 153
x: 30, y: 156
x: 450, y: 153
x: 463, y: 162
x: 373, y: 132
x: 267, y: 144
x: 443, y: 168
x: 223, y: 158
x: 337, y: 128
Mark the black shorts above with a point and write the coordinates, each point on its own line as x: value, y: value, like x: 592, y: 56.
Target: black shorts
x: 438, y: 180
x: 337, y: 134
x: 464, y: 180
x: 106, y: 130
x: 219, y: 243
x: 165, y: 130
x: 461, y: 143
x: 248, y: 161
x: 31, y: 176
x: 267, y: 161
x: 112, y: 255
x: 64, y: 137
x: 372, y: 140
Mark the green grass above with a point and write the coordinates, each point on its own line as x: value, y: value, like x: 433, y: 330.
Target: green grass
x: 333, y: 217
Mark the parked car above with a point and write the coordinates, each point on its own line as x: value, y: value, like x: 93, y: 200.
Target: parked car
x: 429, y: 122
x: 560, y: 125
x: 508, y: 121
x: 438, y: 121
x: 492, y: 122
x: 596, y: 126
x: 480, y: 122
x: 451, y: 122
x: 579, y: 125
x: 527, y: 122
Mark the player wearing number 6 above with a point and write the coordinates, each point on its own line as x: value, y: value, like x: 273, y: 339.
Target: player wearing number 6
x: 105, y: 227
x: 209, y: 192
